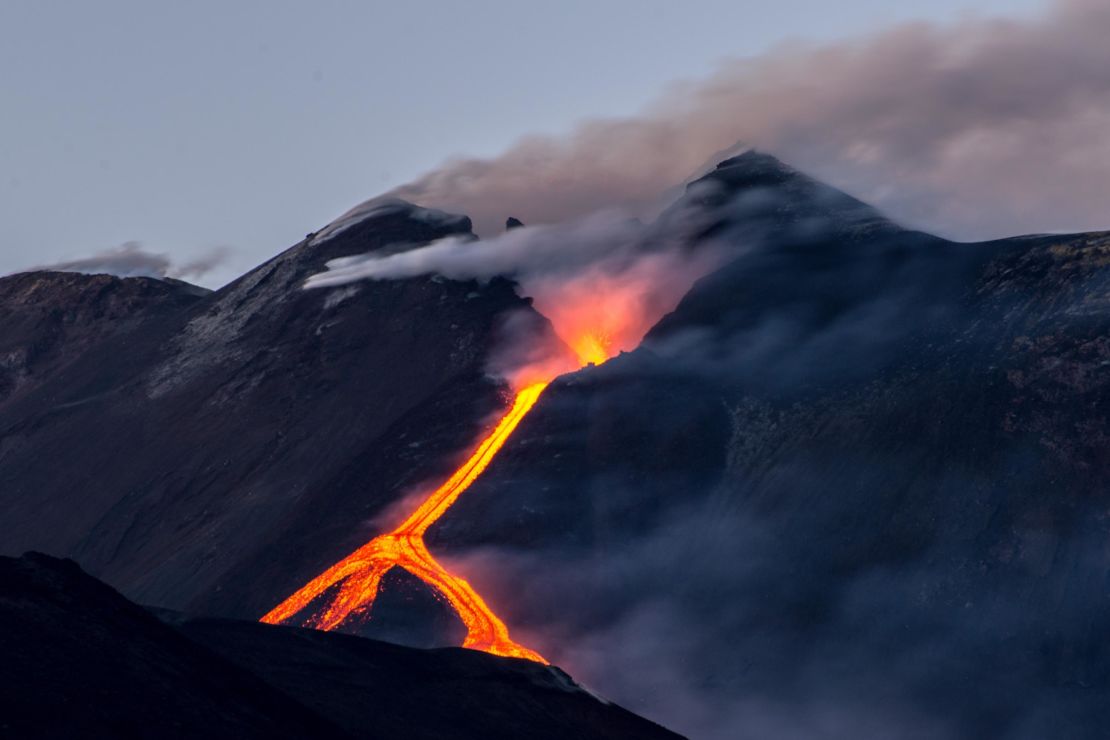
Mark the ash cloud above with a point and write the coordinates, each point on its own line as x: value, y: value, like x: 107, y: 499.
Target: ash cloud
x: 975, y: 130
x: 131, y: 259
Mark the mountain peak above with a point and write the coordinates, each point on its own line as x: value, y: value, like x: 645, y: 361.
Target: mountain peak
x: 390, y: 207
x: 753, y: 158
x: 758, y: 192
x: 76, y: 296
x: 755, y: 169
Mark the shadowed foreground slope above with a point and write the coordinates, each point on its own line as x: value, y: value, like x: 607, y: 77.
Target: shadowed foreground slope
x: 82, y: 661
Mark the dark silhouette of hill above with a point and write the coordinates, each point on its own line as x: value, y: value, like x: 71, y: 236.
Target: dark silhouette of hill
x: 82, y: 661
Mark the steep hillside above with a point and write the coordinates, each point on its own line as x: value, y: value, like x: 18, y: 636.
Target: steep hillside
x: 51, y: 319
x: 250, y: 436
x: 857, y: 479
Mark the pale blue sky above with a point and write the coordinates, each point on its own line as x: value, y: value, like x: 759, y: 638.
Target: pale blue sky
x: 187, y: 126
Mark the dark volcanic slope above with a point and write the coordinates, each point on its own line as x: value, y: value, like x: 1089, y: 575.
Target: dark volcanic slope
x: 222, y: 454
x: 50, y: 319
x: 857, y: 480
x: 376, y: 689
x: 82, y: 661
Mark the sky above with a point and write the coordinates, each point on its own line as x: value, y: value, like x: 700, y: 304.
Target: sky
x: 203, y: 126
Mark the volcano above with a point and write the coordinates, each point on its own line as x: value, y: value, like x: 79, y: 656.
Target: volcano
x: 854, y: 478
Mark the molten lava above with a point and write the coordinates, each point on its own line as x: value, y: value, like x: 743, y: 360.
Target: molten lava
x: 596, y: 314
x: 593, y: 348
x: 358, y: 576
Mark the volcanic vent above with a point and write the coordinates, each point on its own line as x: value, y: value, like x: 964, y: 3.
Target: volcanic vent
x: 595, y: 315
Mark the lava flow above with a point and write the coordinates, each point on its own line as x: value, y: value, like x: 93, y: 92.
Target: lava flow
x: 359, y: 574
x: 604, y: 308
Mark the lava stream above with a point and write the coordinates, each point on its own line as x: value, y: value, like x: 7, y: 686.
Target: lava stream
x: 359, y: 574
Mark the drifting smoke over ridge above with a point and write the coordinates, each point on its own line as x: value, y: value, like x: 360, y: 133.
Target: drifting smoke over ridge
x: 957, y: 129
x: 602, y: 280
x: 130, y: 259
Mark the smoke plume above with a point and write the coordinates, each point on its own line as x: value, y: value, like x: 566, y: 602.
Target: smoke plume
x: 602, y: 280
x: 974, y: 130
x: 130, y: 259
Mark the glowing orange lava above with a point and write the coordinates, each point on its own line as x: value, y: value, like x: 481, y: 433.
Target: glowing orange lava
x: 592, y: 348
x: 596, y: 313
x: 359, y: 575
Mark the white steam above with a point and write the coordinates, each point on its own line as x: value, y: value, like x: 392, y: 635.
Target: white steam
x: 602, y: 280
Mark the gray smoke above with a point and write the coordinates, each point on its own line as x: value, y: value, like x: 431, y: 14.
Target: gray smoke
x: 981, y: 129
x: 602, y: 275
x: 605, y: 237
x: 130, y: 259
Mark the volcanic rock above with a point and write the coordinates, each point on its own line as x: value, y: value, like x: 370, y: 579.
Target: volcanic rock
x: 82, y: 661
